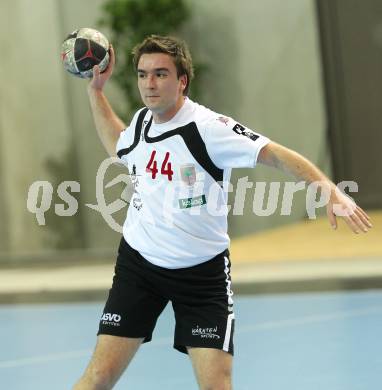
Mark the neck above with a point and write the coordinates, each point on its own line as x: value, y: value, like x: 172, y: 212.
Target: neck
x: 162, y: 117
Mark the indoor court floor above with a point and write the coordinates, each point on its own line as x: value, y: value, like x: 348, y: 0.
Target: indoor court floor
x: 306, y: 341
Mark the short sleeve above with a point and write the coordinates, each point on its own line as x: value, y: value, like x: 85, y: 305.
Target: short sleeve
x: 232, y: 145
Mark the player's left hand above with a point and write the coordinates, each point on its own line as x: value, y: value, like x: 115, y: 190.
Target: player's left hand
x: 343, y: 206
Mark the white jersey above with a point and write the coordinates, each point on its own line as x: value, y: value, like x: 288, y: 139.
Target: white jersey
x: 180, y: 171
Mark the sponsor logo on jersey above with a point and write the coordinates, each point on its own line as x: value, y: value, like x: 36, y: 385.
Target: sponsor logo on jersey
x: 241, y: 130
x: 137, y: 203
x: 192, y: 202
x: 134, y: 178
x: 188, y: 174
x: 111, y: 319
x: 206, y: 333
x: 223, y: 119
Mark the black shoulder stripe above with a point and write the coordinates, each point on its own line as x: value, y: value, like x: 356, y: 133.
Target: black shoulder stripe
x: 195, y: 145
x: 137, y: 135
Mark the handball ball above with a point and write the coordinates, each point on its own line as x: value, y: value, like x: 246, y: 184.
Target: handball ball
x: 84, y: 48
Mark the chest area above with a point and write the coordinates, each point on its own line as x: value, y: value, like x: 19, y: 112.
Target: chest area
x: 166, y: 162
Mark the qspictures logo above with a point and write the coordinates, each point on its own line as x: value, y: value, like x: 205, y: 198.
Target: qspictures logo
x: 266, y: 197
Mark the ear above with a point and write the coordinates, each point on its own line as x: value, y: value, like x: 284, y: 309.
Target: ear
x: 183, y: 81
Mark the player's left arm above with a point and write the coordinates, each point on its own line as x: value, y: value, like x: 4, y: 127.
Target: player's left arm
x: 289, y: 161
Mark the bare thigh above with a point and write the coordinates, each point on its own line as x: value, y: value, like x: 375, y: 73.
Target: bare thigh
x: 111, y: 357
x: 212, y: 367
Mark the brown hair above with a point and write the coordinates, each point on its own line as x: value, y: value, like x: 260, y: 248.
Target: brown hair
x: 174, y: 47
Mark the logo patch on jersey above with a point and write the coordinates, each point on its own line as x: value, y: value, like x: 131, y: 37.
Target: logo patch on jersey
x: 137, y: 203
x: 223, y: 119
x: 241, y: 130
x: 192, y: 202
x: 188, y: 174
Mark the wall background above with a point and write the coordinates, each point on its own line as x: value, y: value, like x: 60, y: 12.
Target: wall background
x: 265, y: 71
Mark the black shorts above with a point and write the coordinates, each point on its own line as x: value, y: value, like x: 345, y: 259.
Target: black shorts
x: 201, y: 297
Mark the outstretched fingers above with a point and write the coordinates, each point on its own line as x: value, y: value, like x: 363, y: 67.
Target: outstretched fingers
x: 364, y: 216
x: 358, y: 221
x: 332, y: 218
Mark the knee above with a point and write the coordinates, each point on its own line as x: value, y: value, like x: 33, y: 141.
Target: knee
x: 218, y: 386
x: 96, y: 379
x: 223, y: 382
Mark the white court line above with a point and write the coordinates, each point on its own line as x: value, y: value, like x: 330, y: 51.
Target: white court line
x: 44, y: 358
x: 167, y: 340
x: 310, y: 319
x: 65, y: 355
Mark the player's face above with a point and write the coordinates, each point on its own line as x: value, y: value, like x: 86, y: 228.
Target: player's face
x: 160, y: 88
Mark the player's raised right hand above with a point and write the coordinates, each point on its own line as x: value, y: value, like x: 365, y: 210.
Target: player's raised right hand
x: 99, y: 79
